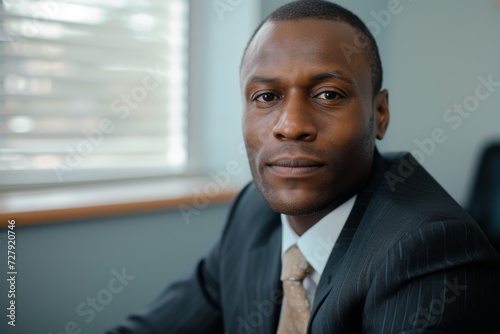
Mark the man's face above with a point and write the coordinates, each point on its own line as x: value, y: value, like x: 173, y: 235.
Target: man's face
x: 310, y: 119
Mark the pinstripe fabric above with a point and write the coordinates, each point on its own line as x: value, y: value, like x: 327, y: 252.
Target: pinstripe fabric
x: 409, y: 260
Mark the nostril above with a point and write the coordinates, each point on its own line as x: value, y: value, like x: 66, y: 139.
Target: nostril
x: 305, y: 136
x: 279, y: 136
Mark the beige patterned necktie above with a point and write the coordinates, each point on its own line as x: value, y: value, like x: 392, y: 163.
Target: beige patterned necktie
x: 296, y: 312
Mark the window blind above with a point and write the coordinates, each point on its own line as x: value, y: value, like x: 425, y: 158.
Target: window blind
x: 91, y: 89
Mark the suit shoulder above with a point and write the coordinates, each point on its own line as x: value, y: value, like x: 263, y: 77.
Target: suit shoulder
x: 250, y: 217
x: 411, y: 190
x: 248, y: 199
x: 415, y: 213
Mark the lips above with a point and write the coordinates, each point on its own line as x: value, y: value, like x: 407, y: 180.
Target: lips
x: 297, y: 166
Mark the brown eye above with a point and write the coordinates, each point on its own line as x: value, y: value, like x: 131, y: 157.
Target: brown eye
x: 266, y: 97
x: 329, y: 95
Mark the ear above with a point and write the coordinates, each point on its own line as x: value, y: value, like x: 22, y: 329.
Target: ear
x: 381, y: 106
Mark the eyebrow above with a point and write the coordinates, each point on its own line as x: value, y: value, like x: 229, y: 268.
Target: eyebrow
x: 316, y: 77
x: 258, y: 79
x: 331, y: 75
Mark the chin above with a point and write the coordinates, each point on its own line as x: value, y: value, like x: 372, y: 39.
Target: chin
x: 294, y: 206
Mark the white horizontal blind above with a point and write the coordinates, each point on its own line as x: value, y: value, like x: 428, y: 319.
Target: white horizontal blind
x: 89, y: 86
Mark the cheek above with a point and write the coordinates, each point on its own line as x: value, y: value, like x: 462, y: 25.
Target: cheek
x: 257, y: 130
x: 349, y: 138
x: 363, y: 144
x: 252, y: 134
x: 346, y: 128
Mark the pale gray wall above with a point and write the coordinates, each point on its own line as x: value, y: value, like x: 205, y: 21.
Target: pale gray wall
x: 435, y: 53
x: 61, y: 265
x: 218, y: 37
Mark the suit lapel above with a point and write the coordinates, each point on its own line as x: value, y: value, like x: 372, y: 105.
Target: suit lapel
x: 343, y: 242
x: 334, y: 262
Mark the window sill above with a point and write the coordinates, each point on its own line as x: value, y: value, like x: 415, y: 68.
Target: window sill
x: 30, y: 207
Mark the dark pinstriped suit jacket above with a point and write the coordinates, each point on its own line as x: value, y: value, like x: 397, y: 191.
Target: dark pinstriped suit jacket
x: 409, y: 260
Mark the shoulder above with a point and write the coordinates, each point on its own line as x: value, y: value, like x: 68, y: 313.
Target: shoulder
x: 250, y: 218
x: 407, y: 188
x: 411, y: 215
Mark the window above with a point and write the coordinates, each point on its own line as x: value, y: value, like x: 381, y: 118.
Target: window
x: 92, y: 89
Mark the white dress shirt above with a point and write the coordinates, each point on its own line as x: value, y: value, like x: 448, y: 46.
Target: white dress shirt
x: 316, y: 243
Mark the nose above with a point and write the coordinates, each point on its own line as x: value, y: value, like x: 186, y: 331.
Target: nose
x: 296, y: 121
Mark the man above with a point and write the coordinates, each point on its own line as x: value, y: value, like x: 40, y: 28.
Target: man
x: 330, y: 237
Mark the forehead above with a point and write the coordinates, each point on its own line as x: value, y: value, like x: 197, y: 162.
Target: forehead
x: 304, y: 45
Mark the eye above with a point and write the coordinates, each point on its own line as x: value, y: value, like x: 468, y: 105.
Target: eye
x: 266, y: 97
x: 329, y: 95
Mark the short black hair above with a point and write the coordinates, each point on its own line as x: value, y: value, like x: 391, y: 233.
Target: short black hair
x: 324, y: 10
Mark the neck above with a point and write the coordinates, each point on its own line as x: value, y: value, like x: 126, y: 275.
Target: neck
x: 300, y: 224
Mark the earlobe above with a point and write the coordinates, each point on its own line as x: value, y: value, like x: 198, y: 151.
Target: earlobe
x: 381, y: 113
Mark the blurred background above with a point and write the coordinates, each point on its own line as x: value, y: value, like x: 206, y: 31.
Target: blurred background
x: 121, y: 146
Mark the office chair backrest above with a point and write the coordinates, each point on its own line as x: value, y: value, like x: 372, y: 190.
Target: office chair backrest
x: 484, y: 204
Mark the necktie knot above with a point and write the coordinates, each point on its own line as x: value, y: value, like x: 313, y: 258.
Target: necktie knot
x: 295, y: 265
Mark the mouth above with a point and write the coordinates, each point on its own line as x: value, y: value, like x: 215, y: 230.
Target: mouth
x: 295, y: 166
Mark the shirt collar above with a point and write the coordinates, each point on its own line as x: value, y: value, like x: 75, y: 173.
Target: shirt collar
x: 317, y: 242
